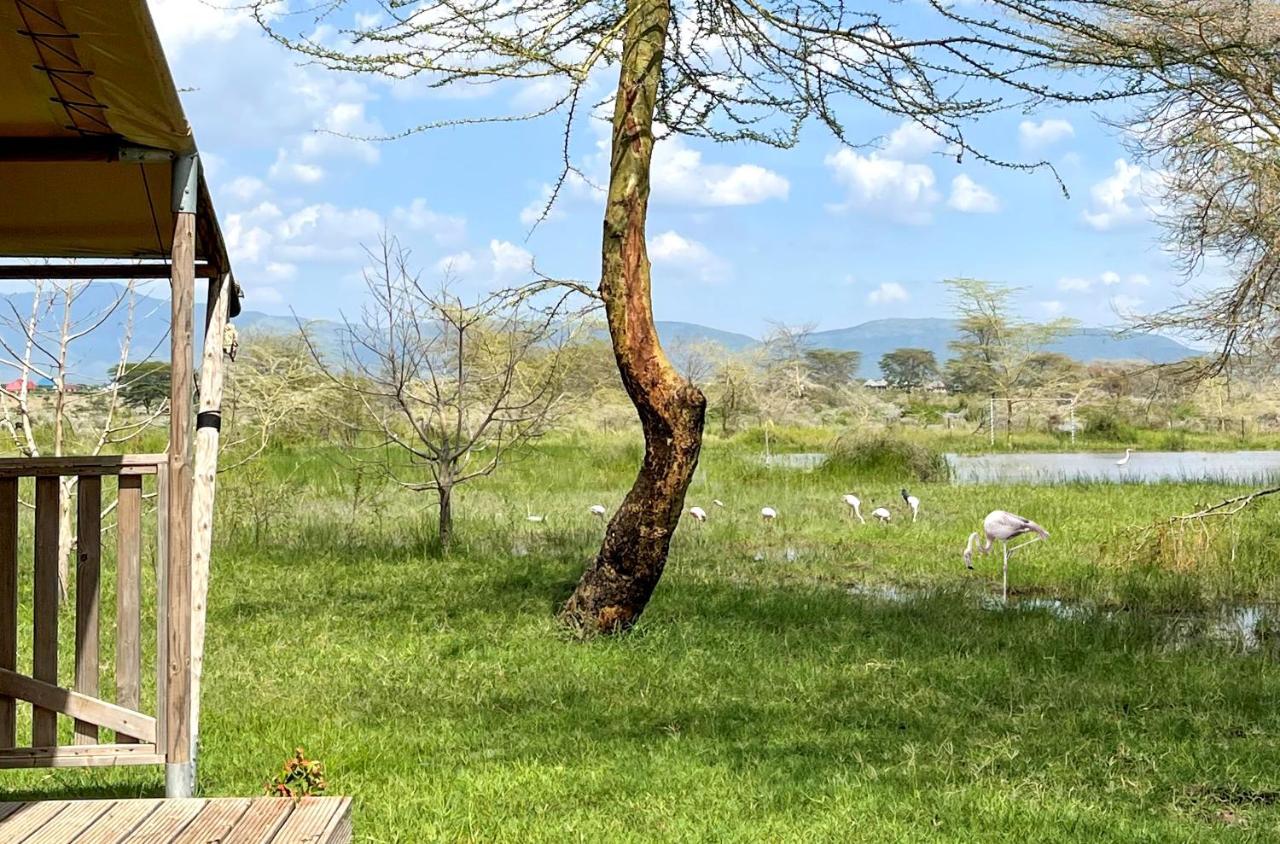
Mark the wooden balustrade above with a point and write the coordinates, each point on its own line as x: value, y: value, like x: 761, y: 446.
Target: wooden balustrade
x: 136, y: 737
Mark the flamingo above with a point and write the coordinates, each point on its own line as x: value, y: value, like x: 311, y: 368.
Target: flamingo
x: 856, y: 503
x: 1001, y: 526
x: 1128, y: 452
x: 698, y: 514
x: 882, y: 514
x: 912, y: 502
x: 768, y: 514
x: 598, y: 511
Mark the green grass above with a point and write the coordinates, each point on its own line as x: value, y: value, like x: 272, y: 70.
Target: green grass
x: 758, y: 699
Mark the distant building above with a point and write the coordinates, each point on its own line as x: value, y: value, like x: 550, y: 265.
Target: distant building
x: 15, y: 386
x: 936, y: 387
x: 876, y: 384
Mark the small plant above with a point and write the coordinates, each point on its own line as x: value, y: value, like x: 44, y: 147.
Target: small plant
x: 300, y: 777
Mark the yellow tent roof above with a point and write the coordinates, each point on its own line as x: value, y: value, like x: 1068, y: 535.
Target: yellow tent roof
x: 90, y: 124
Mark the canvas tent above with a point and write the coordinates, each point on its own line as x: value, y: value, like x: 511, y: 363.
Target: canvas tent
x: 100, y: 178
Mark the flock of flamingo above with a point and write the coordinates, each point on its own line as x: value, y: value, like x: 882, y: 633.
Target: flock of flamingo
x: 999, y: 526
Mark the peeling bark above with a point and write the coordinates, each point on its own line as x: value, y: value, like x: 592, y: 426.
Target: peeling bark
x: 616, y: 587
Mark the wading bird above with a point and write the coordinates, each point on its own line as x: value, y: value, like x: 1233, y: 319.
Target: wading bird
x: 598, y: 511
x: 535, y: 519
x: 698, y: 514
x: 882, y: 514
x: 1128, y: 452
x: 912, y: 502
x: 717, y: 502
x: 855, y: 503
x: 768, y: 514
x: 1001, y: 526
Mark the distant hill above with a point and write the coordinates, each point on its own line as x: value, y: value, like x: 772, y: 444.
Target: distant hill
x: 100, y: 350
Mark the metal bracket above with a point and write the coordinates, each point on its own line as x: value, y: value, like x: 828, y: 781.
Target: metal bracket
x: 186, y: 183
x: 133, y: 154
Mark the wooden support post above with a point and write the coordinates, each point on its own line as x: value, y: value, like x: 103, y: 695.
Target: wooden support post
x: 208, y: 426
x: 44, y: 649
x: 88, y: 578
x: 179, y: 771
x: 8, y: 603
x: 129, y: 595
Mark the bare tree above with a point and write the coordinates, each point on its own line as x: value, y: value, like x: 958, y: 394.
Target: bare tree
x: 728, y: 70
x: 40, y: 345
x: 444, y: 388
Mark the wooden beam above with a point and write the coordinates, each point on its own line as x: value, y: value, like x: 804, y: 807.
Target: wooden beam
x: 81, y: 756
x: 208, y: 426
x: 178, y: 727
x: 55, y: 699
x: 86, y: 148
x: 33, y: 272
x: 56, y: 467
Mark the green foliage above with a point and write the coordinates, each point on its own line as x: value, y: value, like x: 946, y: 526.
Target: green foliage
x: 1105, y: 424
x: 909, y: 368
x: 886, y: 457
x: 300, y: 777
x: 832, y: 368
x: 144, y: 384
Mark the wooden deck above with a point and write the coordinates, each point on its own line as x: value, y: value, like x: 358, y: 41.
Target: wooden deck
x: 224, y: 820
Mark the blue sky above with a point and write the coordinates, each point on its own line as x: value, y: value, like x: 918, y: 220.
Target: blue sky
x: 739, y: 235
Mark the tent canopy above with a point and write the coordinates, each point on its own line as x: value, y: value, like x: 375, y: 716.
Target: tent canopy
x: 91, y: 135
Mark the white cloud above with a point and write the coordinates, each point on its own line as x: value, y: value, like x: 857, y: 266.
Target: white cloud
x: 1128, y: 196
x: 287, y: 170
x: 246, y: 188
x: 1052, y: 307
x: 889, y: 291
x: 902, y: 191
x: 1139, y: 280
x: 1125, y: 304
x: 182, y: 23
x: 1110, y: 279
x: 672, y: 249
x: 910, y: 140
x: 419, y: 217
x: 509, y: 259
x: 971, y: 197
x: 681, y: 176
x: 461, y: 263
x: 1075, y: 284
x: 1044, y: 133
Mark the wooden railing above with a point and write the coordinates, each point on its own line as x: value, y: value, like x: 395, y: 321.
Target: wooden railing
x: 137, y: 737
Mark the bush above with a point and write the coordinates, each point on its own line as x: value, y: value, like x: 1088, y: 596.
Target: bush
x: 1102, y: 424
x: 300, y: 777
x: 885, y: 457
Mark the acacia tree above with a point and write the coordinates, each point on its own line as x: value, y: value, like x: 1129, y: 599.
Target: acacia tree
x: 727, y: 70
x: 909, y: 368
x: 443, y: 389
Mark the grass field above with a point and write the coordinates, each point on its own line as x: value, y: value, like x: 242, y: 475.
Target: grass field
x: 760, y: 699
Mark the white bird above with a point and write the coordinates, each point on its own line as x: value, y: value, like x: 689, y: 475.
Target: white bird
x: 1001, y: 526
x: 768, y: 514
x: 698, y: 513
x: 598, y: 511
x: 912, y: 502
x: 856, y: 504
x: 717, y: 502
x: 882, y: 514
x: 533, y: 518
x: 1124, y: 460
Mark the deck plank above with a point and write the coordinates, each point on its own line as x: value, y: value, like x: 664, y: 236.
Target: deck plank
x: 311, y: 818
x: 259, y: 824
x: 28, y: 818
x: 213, y: 824
x: 78, y: 816
x: 170, y: 818
x: 116, y: 824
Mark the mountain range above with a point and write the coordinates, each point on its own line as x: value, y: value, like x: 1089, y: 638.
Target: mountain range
x: 95, y: 353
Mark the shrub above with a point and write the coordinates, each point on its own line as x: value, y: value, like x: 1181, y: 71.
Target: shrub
x: 884, y: 457
x: 300, y: 777
x: 1103, y: 424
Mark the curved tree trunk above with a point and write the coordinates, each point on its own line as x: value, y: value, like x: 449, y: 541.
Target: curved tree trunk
x: 617, y: 585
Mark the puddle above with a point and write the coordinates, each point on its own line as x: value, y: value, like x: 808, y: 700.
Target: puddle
x: 1244, y: 467
x: 1242, y: 627
x: 803, y: 460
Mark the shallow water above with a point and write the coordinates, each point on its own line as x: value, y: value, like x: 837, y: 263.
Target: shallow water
x: 1240, y: 626
x: 799, y: 460
x: 1143, y: 467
